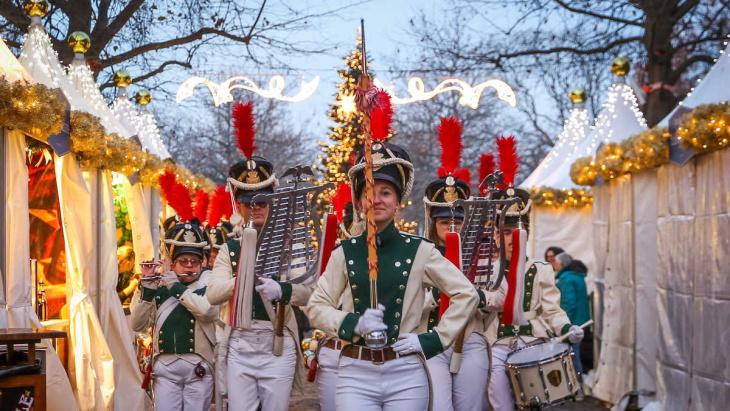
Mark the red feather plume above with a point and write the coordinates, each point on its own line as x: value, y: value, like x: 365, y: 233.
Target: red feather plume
x: 201, y: 204
x: 245, y: 126
x: 509, y: 161
x: 486, y: 167
x: 220, y: 206
x: 340, y: 199
x: 381, y: 116
x: 449, y: 132
x: 177, y: 195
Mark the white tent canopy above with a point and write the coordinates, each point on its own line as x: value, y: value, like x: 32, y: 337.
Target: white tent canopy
x: 90, y: 360
x: 576, y: 127
x: 712, y: 89
x: 119, y: 336
x: 15, y: 270
x: 619, y: 119
x: 143, y: 123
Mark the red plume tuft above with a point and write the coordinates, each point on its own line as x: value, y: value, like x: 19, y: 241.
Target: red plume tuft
x: 220, y: 206
x: 509, y: 161
x: 245, y: 126
x: 381, y: 117
x: 463, y: 174
x: 201, y: 204
x: 177, y: 195
x: 450, y: 131
x: 341, y: 198
x: 486, y: 167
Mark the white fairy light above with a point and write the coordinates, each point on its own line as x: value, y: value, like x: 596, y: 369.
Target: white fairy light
x: 222, y: 92
x: 470, y: 95
x: 81, y: 76
x: 576, y: 127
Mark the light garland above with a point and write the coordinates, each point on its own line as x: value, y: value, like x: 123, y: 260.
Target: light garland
x: 470, y: 95
x: 33, y: 108
x: 552, y: 197
x: 222, y: 92
x: 706, y: 128
x: 406, y: 226
x: 583, y: 171
x: 648, y: 149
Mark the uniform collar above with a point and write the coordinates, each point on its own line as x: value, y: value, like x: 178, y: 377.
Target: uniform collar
x: 388, y: 234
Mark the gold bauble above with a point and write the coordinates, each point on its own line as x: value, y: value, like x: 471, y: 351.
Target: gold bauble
x: 620, y: 66
x: 79, y: 42
x: 578, y: 95
x: 36, y: 8
x: 122, y: 78
x: 143, y: 97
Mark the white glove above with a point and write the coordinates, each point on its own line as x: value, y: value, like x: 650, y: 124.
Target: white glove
x: 151, y: 284
x: 371, y: 320
x: 575, y: 334
x: 269, y: 289
x: 408, y: 344
x: 169, y: 278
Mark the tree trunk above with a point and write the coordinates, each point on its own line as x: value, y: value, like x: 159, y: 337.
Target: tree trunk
x: 659, y: 26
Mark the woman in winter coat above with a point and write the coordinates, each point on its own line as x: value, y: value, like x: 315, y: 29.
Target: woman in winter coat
x: 571, y: 281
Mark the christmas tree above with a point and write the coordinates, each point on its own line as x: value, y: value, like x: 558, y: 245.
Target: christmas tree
x: 345, y: 136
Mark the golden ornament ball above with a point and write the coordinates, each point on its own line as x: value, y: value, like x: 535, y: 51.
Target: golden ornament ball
x: 122, y: 78
x: 620, y: 66
x: 143, y: 97
x: 578, y: 95
x: 36, y: 8
x: 79, y: 42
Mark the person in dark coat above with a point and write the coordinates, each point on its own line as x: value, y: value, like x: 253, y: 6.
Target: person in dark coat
x: 570, y: 279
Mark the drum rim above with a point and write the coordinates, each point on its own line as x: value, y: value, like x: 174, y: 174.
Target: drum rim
x: 538, y: 362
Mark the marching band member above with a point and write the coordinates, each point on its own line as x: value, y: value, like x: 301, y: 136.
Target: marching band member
x: 328, y: 351
x: 533, y: 296
x: 218, y: 229
x: 174, y: 304
x: 249, y: 374
x: 463, y: 386
x: 394, y: 376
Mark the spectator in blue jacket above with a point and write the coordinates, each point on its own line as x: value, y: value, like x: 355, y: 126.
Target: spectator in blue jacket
x: 571, y: 281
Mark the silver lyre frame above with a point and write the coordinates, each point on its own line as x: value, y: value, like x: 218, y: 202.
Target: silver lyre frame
x: 292, y: 221
x: 478, y: 238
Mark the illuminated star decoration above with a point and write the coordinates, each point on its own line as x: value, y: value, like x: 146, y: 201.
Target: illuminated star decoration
x: 346, y: 105
x: 470, y: 95
x: 222, y: 92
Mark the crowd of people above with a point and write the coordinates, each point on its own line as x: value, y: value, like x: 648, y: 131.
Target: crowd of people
x: 436, y: 339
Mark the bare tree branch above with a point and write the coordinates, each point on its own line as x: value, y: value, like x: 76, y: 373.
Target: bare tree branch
x: 674, y: 76
x: 573, y: 50
x: 598, y: 15
x: 258, y: 16
x: 158, y: 70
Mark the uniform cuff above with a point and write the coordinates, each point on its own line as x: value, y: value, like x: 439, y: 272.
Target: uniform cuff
x: 482, y: 299
x: 148, y: 294
x: 347, y: 328
x: 431, y: 344
x: 565, y: 328
x: 177, y: 290
x: 286, y: 290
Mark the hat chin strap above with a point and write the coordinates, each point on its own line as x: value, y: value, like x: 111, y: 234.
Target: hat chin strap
x: 271, y: 181
x: 186, y: 244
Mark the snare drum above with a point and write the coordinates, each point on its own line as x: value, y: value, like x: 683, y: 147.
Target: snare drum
x: 542, y: 375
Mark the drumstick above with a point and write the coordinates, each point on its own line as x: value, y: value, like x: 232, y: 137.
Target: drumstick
x: 564, y: 336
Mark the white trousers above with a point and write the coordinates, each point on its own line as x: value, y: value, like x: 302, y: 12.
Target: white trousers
x: 327, y: 360
x: 397, y: 385
x: 255, y: 376
x: 500, y: 392
x: 466, y: 390
x: 177, y: 388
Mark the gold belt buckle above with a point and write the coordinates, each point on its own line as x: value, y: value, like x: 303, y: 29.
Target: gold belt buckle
x: 382, y: 357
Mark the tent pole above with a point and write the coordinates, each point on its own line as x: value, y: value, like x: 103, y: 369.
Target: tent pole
x: 3, y: 223
x: 98, y: 241
x: 635, y: 379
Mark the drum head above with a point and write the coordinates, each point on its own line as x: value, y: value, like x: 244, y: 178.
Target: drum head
x: 535, y: 353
